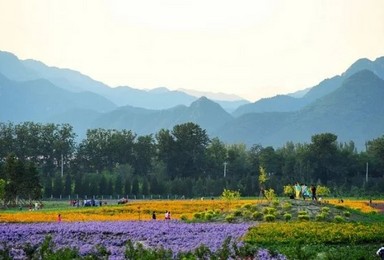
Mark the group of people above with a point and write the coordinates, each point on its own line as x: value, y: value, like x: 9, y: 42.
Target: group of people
x: 167, y: 215
x: 303, y: 191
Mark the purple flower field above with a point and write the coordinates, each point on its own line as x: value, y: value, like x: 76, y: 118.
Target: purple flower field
x: 174, y: 235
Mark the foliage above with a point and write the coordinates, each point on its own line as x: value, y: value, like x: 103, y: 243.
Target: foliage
x: 318, y: 239
x: 289, y: 190
x: 322, y: 191
x: 183, y: 161
x: 270, y: 194
x: 263, y: 178
x: 229, y: 195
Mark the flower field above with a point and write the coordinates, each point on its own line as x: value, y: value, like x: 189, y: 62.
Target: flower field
x: 362, y: 205
x: 113, y: 226
x: 136, y: 210
x: 174, y: 235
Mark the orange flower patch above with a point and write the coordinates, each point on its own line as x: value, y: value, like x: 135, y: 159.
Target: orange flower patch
x: 135, y: 210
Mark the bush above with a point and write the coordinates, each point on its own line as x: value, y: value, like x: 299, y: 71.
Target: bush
x: 208, y: 216
x: 320, y: 217
x: 238, y: 213
x: 269, y: 210
x: 287, y: 216
x: 275, y: 203
x: 269, y: 218
x: 304, y: 217
x: 247, y: 206
x: 198, y: 215
x: 257, y: 215
x: 287, y: 206
x: 302, y: 212
x: 339, y: 219
x: 183, y: 218
x: 347, y: 214
x: 325, y: 209
x: 247, y: 214
x: 230, y: 218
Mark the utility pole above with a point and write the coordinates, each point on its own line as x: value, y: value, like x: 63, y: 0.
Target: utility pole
x: 225, y: 169
x: 366, y: 173
x: 62, y: 165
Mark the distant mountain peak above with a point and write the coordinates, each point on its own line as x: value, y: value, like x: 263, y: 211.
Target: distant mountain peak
x: 212, y: 95
x: 159, y: 90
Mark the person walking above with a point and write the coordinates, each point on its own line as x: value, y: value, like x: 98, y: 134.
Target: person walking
x: 153, y: 215
x: 313, y: 190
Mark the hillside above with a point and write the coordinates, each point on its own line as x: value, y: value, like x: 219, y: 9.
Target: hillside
x: 286, y: 103
x: 353, y: 112
x: 349, y: 105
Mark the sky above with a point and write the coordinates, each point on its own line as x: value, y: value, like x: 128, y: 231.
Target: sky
x: 251, y: 48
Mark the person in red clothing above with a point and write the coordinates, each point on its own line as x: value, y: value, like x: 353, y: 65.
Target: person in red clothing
x: 59, y: 218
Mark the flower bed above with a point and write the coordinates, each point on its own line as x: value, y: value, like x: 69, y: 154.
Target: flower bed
x: 174, y: 235
x: 133, y: 210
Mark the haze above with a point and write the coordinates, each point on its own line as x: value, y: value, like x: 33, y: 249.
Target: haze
x: 253, y: 49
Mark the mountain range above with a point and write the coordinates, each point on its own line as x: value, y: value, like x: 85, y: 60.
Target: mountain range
x: 348, y: 105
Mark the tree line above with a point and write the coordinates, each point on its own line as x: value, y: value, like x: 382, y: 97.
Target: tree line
x: 182, y: 161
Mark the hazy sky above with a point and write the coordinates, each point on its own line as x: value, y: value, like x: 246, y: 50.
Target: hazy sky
x: 251, y: 48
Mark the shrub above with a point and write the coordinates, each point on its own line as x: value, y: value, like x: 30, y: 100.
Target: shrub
x: 198, y: 215
x: 230, y: 218
x: 270, y: 194
x: 302, y: 212
x: 303, y: 217
x: 247, y: 214
x: 247, y: 206
x: 325, y: 209
x: 208, y: 216
x: 269, y: 218
x: 257, y: 215
x: 269, y: 210
x: 183, y: 218
x: 347, y: 213
x: 339, y: 219
x: 320, y: 217
x: 238, y: 213
x: 287, y: 216
x: 287, y: 206
x: 275, y: 203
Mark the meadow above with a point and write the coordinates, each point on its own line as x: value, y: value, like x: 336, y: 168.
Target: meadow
x: 214, y: 229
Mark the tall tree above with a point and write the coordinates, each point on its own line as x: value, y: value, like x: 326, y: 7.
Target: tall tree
x: 191, y: 142
x: 144, y: 152
x: 323, y: 151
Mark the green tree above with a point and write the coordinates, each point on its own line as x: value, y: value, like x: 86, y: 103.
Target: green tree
x: 119, y: 185
x: 135, y: 187
x: 324, y: 153
x: 216, y: 157
x: 191, y: 142
x: 67, y: 190
x: 57, y: 186
x: 2, y: 189
x: 144, y: 152
x: 375, y: 152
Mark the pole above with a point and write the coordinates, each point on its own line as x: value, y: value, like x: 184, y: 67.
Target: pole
x: 62, y: 165
x: 225, y: 169
x: 366, y: 173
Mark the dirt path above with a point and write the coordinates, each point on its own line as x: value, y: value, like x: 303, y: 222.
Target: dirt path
x: 379, y: 206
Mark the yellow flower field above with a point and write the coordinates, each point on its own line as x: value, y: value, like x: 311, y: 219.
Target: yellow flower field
x: 362, y: 205
x: 135, y: 210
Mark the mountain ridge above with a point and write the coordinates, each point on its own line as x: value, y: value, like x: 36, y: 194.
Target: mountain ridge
x: 348, y: 105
